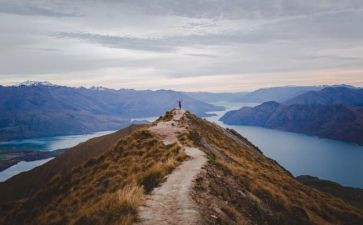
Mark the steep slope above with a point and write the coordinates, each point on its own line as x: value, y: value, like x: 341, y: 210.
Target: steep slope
x: 242, y: 186
x: 47, y: 110
x: 106, y: 189
x: 352, y: 195
x: 28, y: 183
x: 237, y: 185
x: 330, y: 96
x: 338, y: 122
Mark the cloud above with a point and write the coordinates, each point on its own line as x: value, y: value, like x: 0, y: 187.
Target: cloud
x: 31, y: 9
x: 145, y: 43
x: 124, y: 42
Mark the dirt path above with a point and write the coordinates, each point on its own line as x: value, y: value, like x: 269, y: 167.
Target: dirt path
x: 171, y: 202
x: 168, y: 131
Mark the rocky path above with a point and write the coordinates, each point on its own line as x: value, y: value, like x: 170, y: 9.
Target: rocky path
x: 171, y: 203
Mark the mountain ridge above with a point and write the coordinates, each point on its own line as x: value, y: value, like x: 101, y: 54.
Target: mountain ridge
x: 332, y: 112
x: 330, y: 96
x: 281, y: 94
x: 238, y: 183
x: 41, y: 110
x: 339, y: 122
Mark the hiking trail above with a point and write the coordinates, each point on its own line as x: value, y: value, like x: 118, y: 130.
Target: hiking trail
x: 171, y: 203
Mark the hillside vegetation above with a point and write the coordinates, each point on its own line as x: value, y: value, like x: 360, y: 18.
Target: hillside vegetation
x: 352, y: 195
x: 242, y: 186
x: 105, y: 190
x: 238, y: 185
x: 28, y: 183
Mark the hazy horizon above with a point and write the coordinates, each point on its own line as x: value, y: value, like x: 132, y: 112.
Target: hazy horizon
x: 215, y: 46
x: 167, y: 89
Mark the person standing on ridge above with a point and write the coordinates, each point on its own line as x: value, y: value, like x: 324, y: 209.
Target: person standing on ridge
x: 180, y: 103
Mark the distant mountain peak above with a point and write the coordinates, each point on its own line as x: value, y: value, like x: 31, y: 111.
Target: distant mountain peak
x: 35, y: 83
x: 99, y: 88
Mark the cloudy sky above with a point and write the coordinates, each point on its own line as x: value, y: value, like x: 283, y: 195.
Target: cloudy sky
x: 209, y: 45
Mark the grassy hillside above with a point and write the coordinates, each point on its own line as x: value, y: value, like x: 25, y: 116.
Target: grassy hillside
x: 239, y: 185
x: 352, y: 195
x: 242, y: 186
x: 107, y: 189
x: 27, y: 183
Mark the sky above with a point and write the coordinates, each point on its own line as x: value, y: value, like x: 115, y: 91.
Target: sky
x: 190, y: 45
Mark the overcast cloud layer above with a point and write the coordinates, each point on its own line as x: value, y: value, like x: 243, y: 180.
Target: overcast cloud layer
x: 214, y: 45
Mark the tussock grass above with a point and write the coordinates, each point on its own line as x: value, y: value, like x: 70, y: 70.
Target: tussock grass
x: 241, y: 184
x: 105, y: 190
x: 156, y: 174
x: 119, y: 208
x: 167, y: 117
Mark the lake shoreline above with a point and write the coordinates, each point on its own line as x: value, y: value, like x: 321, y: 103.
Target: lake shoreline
x: 303, y: 154
x: 11, y: 157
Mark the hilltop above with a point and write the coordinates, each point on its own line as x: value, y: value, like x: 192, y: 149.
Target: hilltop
x: 180, y: 169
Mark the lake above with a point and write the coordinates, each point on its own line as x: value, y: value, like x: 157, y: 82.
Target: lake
x: 41, y: 144
x: 49, y: 143
x: 21, y: 167
x: 301, y: 154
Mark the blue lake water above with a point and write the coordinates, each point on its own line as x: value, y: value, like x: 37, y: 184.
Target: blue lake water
x: 49, y: 143
x: 21, y: 167
x: 301, y: 154
x: 41, y: 144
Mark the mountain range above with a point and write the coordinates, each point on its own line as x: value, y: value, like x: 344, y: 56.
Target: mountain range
x: 330, y: 113
x: 330, y: 96
x: 35, y: 109
x: 280, y: 94
x: 130, y: 177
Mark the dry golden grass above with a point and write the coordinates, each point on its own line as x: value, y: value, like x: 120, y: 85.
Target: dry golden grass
x: 117, y: 208
x: 245, y: 185
x: 167, y: 117
x: 28, y: 183
x: 105, y: 190
x: 238, y: 186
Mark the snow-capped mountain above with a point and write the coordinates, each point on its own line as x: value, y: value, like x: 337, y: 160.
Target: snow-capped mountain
x: 35, y: 83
